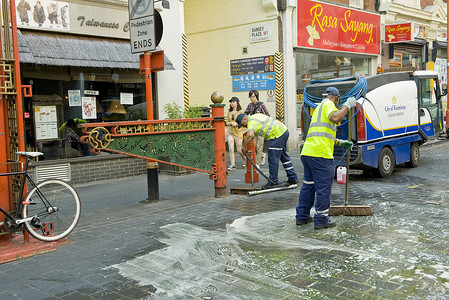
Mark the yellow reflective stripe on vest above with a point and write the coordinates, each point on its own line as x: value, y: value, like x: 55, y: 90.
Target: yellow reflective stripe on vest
x: 319, y: 123
x: 322, y: 132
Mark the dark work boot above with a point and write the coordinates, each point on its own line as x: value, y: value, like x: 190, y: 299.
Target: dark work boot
x: 327, y: 225
x: 303, y: 222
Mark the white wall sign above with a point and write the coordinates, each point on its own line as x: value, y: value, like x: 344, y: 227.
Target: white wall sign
x: 260, y: 33
x: 271, y: 96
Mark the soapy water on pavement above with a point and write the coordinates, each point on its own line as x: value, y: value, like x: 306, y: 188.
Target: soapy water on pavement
x: 258, y: 256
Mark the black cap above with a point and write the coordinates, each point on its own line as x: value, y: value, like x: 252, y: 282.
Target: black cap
x: 239, y: 119
x: 234, y: 99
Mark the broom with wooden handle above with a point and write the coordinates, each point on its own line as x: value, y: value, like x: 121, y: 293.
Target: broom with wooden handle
x: 350, y: 210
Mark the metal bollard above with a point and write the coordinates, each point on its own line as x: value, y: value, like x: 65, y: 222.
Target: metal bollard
x: 152, y: 182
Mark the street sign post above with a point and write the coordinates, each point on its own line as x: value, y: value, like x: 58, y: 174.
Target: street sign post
x: 141, y: 25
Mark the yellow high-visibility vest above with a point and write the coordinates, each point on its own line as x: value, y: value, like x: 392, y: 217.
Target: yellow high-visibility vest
x: 322, y: 132
x: 266, y: 126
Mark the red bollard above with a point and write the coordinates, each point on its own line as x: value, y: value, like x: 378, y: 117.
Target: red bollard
x: 220, y: 181
x: 251, y: 175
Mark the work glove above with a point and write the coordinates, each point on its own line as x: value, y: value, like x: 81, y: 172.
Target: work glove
x: 350, y: 102
x: 346, y: 144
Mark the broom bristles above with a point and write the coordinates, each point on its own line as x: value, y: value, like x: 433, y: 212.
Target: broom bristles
x: 351, y: 210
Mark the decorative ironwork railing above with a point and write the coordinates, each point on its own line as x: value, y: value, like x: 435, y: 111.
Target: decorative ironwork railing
x: 187, y: 143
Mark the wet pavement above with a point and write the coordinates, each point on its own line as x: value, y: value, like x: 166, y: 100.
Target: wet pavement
x: 190, y: 245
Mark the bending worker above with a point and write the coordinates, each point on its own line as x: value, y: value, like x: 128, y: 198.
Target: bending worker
x: 318, y: 160
x: 277, y: 134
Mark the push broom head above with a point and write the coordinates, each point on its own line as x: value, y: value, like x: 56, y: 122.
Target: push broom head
x: 351, y: 210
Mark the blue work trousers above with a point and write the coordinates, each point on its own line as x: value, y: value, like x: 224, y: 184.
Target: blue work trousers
x: 277, y: 151
x: 318, y: 176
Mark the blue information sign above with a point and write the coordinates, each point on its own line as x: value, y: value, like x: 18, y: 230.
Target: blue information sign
x: 261, y: 81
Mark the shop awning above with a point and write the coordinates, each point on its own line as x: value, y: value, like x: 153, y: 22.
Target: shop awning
x: 53, y: 49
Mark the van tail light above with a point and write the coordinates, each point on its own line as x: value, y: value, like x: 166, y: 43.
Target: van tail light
x: 361, y: 123
x: 303, y: 134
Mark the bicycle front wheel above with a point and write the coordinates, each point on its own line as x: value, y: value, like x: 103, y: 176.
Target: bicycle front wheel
x: 55, y: 206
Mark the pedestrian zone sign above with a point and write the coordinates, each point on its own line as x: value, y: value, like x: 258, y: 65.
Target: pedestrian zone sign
x: 141, y: 25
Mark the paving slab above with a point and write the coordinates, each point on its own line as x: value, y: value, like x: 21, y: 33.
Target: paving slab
x: 190, y: 245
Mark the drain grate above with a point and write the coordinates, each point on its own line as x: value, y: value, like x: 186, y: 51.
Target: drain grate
x: 61, y: 171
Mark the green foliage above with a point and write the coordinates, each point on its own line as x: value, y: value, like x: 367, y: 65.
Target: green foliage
x: 174, y: 111
x: 194, y: 112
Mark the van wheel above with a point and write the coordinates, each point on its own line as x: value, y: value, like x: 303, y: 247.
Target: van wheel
x: 386, y: 162
x: 414, y: 156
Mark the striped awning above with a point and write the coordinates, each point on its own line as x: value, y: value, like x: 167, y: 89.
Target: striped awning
x: 54, y: 49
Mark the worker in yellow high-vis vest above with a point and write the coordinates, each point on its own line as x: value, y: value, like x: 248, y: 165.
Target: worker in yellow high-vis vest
x: 277, y: 135
x: 317, y: 157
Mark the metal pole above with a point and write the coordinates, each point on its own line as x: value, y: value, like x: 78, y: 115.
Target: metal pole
x: 17, y: 79
x: 152, y: 182
x: 148, y: 88
x: 18, y: 86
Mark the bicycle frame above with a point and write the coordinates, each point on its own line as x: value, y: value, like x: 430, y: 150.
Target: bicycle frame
x: 23, y: 180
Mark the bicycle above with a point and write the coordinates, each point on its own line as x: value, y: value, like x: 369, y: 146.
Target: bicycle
x: 50, y: 210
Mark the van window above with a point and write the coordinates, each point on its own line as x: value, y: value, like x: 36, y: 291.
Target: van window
x: 428, y: 91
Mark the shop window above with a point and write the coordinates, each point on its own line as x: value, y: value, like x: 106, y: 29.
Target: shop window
x: 396, y: 62
x: 55, y: 102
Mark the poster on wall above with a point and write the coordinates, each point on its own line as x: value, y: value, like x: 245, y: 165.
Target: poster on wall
x: 43, y: 14
x: 46, y: 122
x: 331, y: 27
x: 89, y: 108
x: 74, y: 97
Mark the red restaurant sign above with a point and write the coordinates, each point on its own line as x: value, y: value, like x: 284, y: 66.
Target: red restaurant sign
x: 330, y: 27
x: 399, y: 33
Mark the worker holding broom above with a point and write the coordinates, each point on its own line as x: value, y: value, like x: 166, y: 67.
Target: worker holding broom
x: 318, y: 160
x: 277, y: 134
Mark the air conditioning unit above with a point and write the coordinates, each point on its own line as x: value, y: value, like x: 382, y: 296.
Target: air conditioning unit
x: 356, y: 3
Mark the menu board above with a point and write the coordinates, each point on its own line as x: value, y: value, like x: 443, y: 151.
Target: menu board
x: 46, y: 122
